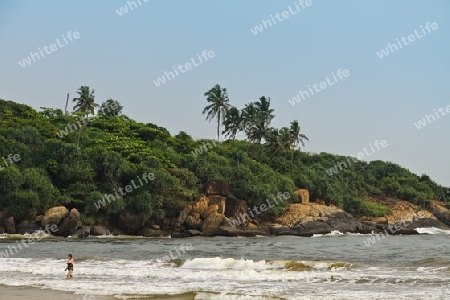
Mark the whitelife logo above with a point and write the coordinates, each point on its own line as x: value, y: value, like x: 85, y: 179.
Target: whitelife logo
x: 162, y: 80
x: 411, y: 38
x: 53, y: 47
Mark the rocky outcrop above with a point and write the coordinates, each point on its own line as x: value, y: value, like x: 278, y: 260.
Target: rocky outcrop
x: 212, y: 223
x: 312, y: 218
x: 99, y: 230
x: 131, y: 223
x: 27, y: 227
x: 234, y: 208
x: 69, y: 225
x: 55, y: 215
x: 440, y: 210
x: 9, y: 225
x: 409, y: 215
x: 303, y: 195
x: 210, y: 214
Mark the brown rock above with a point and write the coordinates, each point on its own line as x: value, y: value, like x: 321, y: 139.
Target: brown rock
x: 402, y: 211
x: 26, y: 227
x: 148, y: 232
x: 201, y: 205
x: 131, y: 223
x: 183, y: 215
x: 226, y: 230
x: 220, y: 201
x: 39, y: 219
x: 312, y: 218
x: 9, y: 225
x: 303, y: 194
x: 2, y: 216
x: 193, y: 221
x: 216, y: 187
x: 439, y: 209
x: 211, y: 209
x: 234, y: 208
x: 67, y: 227
x: 211, y: 224
x: 99, y: 230
x: 55, y: 215
x: 74, y: 214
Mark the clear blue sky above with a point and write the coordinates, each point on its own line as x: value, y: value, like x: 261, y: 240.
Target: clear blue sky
x: 120, y: 56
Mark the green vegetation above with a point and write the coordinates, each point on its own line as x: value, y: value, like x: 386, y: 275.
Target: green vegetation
x: 99, y: 157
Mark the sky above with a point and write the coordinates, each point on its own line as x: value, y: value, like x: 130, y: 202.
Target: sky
x: 121, y: 55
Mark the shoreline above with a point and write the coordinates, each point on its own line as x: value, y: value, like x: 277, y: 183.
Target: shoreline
x: 28, y: 293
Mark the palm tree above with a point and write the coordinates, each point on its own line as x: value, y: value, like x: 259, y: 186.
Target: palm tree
x: 296, y: 137
x: 259, y: 115
x: 278, y: 141
x: 85, y: 101
x: 233, y: 123
x: 265, y: 113
x: 218, y: 107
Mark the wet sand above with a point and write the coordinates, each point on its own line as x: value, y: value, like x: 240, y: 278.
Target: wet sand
x: 28, y: 293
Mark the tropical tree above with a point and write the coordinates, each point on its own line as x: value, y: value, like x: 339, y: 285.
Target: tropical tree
x: 232, y: 122
x: 85, y: 101
x: 264, y: 112
x: 110, y: 108
x: 278, y: 141
x: 296, y: 137
x: 259, y: 116
x: 218, y: 107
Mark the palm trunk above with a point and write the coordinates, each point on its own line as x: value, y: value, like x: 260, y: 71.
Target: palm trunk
x: 218, y: 126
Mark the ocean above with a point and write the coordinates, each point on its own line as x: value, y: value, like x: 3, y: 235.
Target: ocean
x: 334, y: 266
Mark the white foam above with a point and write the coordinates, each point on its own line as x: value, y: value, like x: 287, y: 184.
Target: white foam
x: 432, y: 230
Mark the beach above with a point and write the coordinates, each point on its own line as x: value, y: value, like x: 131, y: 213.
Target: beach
x: 333, y: 267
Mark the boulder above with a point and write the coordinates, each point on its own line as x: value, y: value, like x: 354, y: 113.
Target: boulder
x: 234, y: 208
x: 193, y: 232
x: 193, y: 221
x: 211, y: 209
x: 74, y: 214
x: 131, y: 223
x: 227, y: 230
x: 39, y: 219
x: 82, y: 232
x: 183, y: 215
x: 312, y: 227
x: 55, y: 215
x: 67, y: 227
x: 70, y: 225
x: 216, y: 187
x: 211, y: 224
x: 220, y: 201
x: 9, y: 225
x: 437, y: 208
x: 27, y: 227
x: 2, y: 216
x: 99, y: 230
x: 200, y: 205
x: 303, y: 195
x: 313, y: 218
x: 149, y: 232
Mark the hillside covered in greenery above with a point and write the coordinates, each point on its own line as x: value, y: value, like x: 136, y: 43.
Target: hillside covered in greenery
x: 73, y: 159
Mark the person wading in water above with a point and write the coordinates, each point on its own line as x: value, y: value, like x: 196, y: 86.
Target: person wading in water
x: 70, y: 267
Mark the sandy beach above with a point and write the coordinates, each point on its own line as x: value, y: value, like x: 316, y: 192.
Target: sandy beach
x: 26, y: 293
